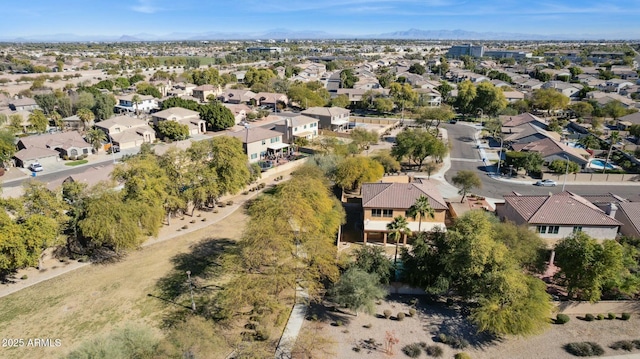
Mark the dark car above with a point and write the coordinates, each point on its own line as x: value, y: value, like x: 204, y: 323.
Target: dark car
x: 113, y: 149
x: 454, y: 121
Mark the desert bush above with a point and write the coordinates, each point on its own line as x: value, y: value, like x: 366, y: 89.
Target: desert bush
x: 622, y: 344
x: 185, y: 227
x: 442, y: 338
x: 412, y: 350
x: 387, y: 313
x: 589, y: 317
x: 636, y: 343
x: 412, y: 312
x: 368, y: 326
x: 24, y: 277
x: 625, y: 316
x: 400, y: 316
x: 611, y: 316
x: 192, y: 221
x: 338, y: 323
x: 356, y: 349
x: 462, y: 355
x: 204, y: 220
x: 245, y: 193
x: 230, y: 202
x: 562, y: 319
x: 434, y: 351
x: 600, y: 317
x: 584, y: 349
x: 262, y: 334
x: 222, y: 204
x: 458, y: 342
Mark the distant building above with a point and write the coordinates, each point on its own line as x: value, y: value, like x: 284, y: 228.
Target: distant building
x: 502, y: 54
x: 271, y: 50
x: 467, y: 49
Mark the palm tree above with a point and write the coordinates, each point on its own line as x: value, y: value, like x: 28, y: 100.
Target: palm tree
x: 96, y: 137
x: 136, y: 100
x: 421, y: 208
x: 589, y: 142
x: 57, y: 120
x: 613, y: 139
x: 398, y: 227
x: 86, y: 116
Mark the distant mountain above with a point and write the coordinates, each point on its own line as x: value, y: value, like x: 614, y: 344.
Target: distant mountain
x: 280, y: 34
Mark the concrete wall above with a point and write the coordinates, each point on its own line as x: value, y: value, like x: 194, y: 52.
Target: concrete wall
x: 593, y: 177
x: 375, y: 120
x: 285, y: 168
x: 603, y: 307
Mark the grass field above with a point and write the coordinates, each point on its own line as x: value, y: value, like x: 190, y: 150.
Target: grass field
x: 93, y: 300
x: 204, y: 61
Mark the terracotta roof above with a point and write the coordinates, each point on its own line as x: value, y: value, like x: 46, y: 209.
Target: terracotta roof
x: 400, y: 195
x: 563, y: 208
x: 34, y: 153
x: 521, y: 119
x: 632, y: 211
x: 547, y: 147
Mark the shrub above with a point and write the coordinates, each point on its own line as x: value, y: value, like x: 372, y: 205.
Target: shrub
x: 356, y: 349
x: 442, y: 338
x: 562, y: 319
x: 262, y: 334
x: 400, y: 316
x: 625, y: 316
x: 458, y: 343
x: 600, y: 316
x: 222, y: 204
x: 462, y: 355
x: 412, y: 312
x: 584, y: 349
x: 245, y: 193
x: 622, y: 344
x: 185, y: 227
x: 434, y: 351
x: 589, y: 317
x: 387, y: 313
x: 24, y: 277
x: 636, y: 343
x: 193, y: 221
x: 215, y: 211
x: 338, y: 323
x: 611, y: 316
x: 368, y: 326
x: 412, y: 350
x: 230, y: 202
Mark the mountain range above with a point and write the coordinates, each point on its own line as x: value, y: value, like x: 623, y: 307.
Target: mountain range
x: 280, y: 34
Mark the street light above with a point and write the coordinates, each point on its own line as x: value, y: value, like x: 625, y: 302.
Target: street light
x: 500, y: 155
x: 566, y: 173
x: 193, y: 303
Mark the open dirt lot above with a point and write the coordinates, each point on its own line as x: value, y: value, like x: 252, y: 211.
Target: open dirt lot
x: 94, y: 299
x: 435, y: 318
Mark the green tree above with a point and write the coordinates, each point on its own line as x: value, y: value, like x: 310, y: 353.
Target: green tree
x: 341, y: 101
x: 445, y: 91
x: 388, y: 162
x: 525, y: 246
x: 466, y: 180
x: 86, y: 116
x: 348, y: 79
x: 136, y: 101
x: 549, y: 100
x: 581, y: 109
x: 439, y: 114
x: 16, y: 123
x: 103, y: 108
x: 173, y: 130
x: 397, y: 228
x: 614, y: 109
x: 590, y: 142
x: 634, y: 131
x: 358, y: 290
x: 417, y: 68
x: 403, y: 95
x: 217, y: 116
x: 383, y: 105
x: 96, y: 138
x: 310, y: 94
x: 417, y: 145
x: 352, y: 172
x: 255, y: 76
x: 465, y: 98
x: 560, y: 166
x: 489, y: 99
x: 47, y: 102
x: 363, y: 138
x: 38, y: 122
x: 420, y: 209
x: 373, y: 259
x: 7, y: 146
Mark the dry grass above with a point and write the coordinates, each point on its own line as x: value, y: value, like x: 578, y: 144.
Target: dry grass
x: 92, y: 300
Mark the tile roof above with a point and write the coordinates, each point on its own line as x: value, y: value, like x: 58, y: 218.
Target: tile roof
x: 255, y: 134
x: 547, y: 147
x: 632, y: 211
x: 563, y: 208
x: 63, y: 140
x: 126, y: 121
x: 176, y: 111
x: 521, y: 119
x: 326, y: 111
x: 34, y: 153
x: 400, y: 195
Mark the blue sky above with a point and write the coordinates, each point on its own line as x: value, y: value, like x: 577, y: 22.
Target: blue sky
x: 356, y: 17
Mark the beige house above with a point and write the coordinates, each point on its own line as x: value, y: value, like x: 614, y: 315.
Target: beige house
x: 237, y: 96
x: 628, y: 213
x: 300, y: 126
x: 332, y: 118
x: 183, y: 116
x: 271, y: 99
x: 381, y: 202
x: 34, y: 148
x: 239, y: 111
x: 127, y: 132
x: 203, y: 91
x: 261, y: 144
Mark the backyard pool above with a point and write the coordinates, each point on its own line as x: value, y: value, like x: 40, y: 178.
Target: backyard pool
x: 598, y: 164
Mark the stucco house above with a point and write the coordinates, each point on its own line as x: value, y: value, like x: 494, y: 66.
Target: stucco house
x: 23, y: 104
x: 183, y: 116
x: 382, y: 201
x: 299, y: 126
x: 39, y: 147
x: 127, y: 132
x: 332, y: 118
x: 237, y: 96
x: 556, y: 216
x: 628, y: 213
x: 203, y: 91
x: 145, y: 105
x: 271, y: 99
x: 260, y: 144
x: 239, y: 111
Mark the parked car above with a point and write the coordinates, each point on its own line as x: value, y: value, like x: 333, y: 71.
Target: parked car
x: 546, y: 183
x: 113, y: 149
x: 36, y: 167
x: 454, y: 121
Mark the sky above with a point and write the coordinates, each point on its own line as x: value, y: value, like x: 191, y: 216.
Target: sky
x: 352, y: 17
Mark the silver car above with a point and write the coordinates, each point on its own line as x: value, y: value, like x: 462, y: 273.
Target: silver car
x: 546, y: 183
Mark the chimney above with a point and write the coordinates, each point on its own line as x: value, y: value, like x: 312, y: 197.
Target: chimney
x: 612, y: 208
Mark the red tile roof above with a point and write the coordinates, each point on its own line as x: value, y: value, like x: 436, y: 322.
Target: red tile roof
x: 400, y: 195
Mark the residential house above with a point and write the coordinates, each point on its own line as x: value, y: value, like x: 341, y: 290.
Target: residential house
x: 603, y: 98
x: 271, y: 99
x: 513, y: 96
x: 355, y: 95
x: 428, y: 96
x: 512, y: 124
x: 627, y: 121
x: 332, y: 118
x: 367, y: 83
x: 628, y: 213
x: 239, y: 111
x: 616, y: 85
x: 127, y: 132
x: 183, y: 116
x: 146, y: 104
x: 23, y: 104
x: 74, y: 123
x: 24, y: 117
x: 42, y: 147
x: 568, y: 89
x: 202, y: 92
x: 237, y: 96
x: 552, y: 150
x: 528, y: 133
x: 261, y: 144
x: 297, y: 126
x: 381, y: 202
x: 556, y: 216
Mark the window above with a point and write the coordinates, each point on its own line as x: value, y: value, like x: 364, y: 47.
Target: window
x: 542, y: 229
x: 264, y: 142
x: 554, y: 229
x: 577, y: 229
x: 376, y: 213
x: 254, y: 156
x: 387, y: 213
x: 305, y: 127
x: 295, y: 129
x: 85, y: 151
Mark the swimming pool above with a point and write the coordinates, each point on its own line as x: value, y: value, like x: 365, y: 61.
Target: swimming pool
x: 600, y: 165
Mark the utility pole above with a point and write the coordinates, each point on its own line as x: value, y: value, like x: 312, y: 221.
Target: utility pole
x: 566, y: 173
x: 500, y: 155
x: 193, y: 303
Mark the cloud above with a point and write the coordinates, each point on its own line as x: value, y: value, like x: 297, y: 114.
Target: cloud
x: 145, y: 7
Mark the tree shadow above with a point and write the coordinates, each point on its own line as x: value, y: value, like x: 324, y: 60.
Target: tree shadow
x: 328, y: 313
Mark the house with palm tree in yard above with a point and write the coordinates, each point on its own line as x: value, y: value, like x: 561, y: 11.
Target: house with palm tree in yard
x: 419, y: 202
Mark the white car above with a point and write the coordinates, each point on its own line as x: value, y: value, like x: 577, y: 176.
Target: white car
x: 36, y: 167
x: 546, y: 183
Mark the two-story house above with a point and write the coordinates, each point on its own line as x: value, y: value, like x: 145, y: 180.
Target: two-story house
x: 145, y: 104
x: 127, y: 132
x: 203, y: 91
x: 332, y: 118
x: 183, y: 116
x: 260, y: 144
x: 299, y: 126
x: 381, y: 202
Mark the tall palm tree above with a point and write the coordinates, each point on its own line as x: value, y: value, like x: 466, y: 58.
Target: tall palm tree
x: 421, y: 209
x: 57, y: 120
x: 589, y: 142
x: 397, y: 228
x: 613, y: 139
x: 96, y: 137
x: 86, y: 116
x: 136, y: 100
